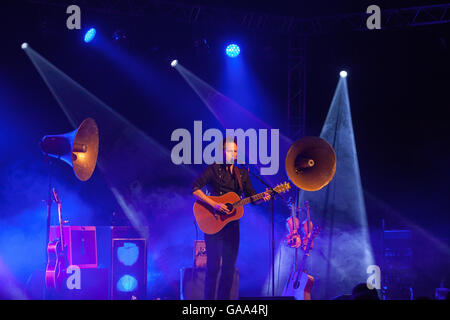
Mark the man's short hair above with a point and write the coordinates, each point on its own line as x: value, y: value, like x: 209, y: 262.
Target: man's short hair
x: 229, y: 139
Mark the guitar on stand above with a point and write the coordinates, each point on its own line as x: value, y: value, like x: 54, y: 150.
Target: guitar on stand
x: 299, y: 284
x: 57, y: 255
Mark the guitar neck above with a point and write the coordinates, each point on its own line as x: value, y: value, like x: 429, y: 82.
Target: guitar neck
x: 61, y: 231
x: 248, y: 200
x: 305, y: 256
x: 303, y: 262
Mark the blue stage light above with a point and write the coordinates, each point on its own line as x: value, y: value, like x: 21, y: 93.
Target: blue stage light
x: 233, y: 50
x: 127, y: 283
x: 89, y: 35
x: 128, y: 254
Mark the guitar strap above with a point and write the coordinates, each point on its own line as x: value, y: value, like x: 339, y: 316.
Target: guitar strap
x: 238, y: 176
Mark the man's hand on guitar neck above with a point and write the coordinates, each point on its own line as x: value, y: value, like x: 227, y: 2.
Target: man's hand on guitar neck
x: 266, y: 195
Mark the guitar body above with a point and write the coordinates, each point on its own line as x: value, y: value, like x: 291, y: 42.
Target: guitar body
x: 55, y: 265
x: 209, y: 220
x: 299, y: 286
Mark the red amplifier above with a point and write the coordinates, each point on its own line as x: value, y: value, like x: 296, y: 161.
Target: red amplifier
x: 81, y: 243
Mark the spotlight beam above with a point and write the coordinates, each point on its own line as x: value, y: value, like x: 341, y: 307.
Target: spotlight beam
x: 119, y: 135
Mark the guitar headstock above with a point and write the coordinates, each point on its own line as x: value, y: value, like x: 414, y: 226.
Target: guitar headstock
x: 291, y: 202
x: 282, y: 187
x: 307, y: 204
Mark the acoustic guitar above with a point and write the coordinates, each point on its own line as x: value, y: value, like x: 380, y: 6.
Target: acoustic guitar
x: 211, y: 221
x: 57, y: 258
x: 299, y: 284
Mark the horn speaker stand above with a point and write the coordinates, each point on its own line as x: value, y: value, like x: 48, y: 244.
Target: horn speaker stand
x: 79, y: 149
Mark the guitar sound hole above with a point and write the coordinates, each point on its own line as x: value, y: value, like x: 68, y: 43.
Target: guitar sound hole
x: 229, y: 206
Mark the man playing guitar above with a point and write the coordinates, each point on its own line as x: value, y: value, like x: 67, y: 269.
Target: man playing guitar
x: 223, y: 178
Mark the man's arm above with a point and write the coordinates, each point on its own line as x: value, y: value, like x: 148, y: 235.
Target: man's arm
x: 205, y: 178
x: 199, y: 194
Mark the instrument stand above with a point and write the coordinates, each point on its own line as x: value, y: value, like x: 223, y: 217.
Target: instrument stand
x: 296, y: 203
x: 273, y: 224
x: 49, y: 201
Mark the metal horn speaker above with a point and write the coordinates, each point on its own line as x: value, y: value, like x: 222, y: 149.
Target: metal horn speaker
x: 78, y: 148
x: 310, y: 163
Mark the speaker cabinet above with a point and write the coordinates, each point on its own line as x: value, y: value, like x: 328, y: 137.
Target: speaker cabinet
x: 129, y: 269
x: 94, y: 286
x: 200, y: 254
x: 81, y: 242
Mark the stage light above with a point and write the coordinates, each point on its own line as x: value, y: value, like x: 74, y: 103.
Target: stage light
x: 119, y: 35
x: 343, y: 74
x: 174, y: 63
x: 233, y: 50
x: 128, y: 265
x: 128, y: 254
x: 89, y: 35
x: 127, y: 283
x: 24, y: 45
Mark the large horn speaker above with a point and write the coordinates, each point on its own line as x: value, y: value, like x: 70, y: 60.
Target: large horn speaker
x: 310, y: 163
x: 78, y: 148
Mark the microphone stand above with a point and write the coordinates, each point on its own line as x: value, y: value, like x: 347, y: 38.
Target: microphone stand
x: 274, y: 193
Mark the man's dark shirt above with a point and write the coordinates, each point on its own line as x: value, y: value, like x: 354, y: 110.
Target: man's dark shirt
x: 220, y: 180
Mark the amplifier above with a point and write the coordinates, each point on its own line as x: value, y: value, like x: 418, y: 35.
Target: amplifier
x: 94, y: 286
x: 122, y: 232
x: 441, y: 293
x: 200, y: 254
x: 81, y: 242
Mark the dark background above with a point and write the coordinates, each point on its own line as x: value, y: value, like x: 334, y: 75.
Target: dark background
x: 398, y: 88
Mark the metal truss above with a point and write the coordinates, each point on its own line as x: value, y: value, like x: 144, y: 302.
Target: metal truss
x: 297, y: 28
x: 297, y: 86
x: 209, y: 14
